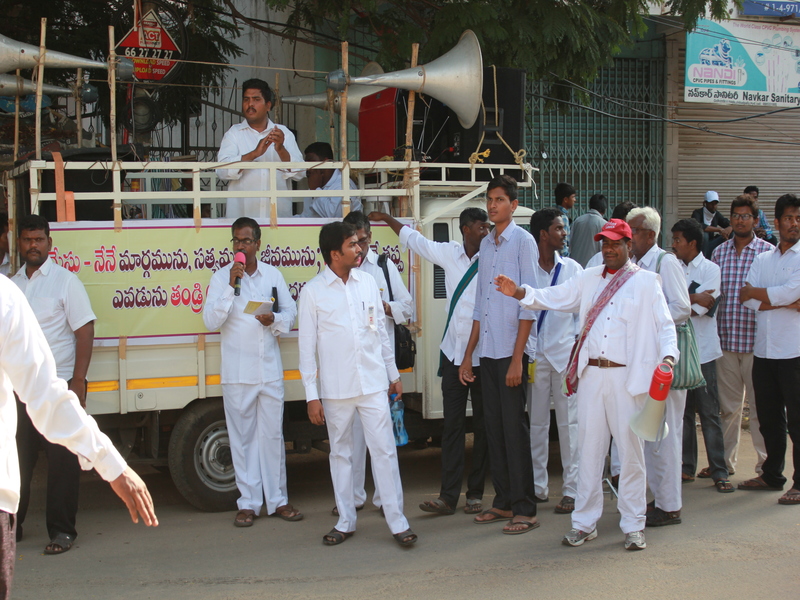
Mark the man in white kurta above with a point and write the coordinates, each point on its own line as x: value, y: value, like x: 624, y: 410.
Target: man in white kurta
x: 663, y: 458
x: 631, y: 335
x: 252, y: 373
x: 258, y: 139
x: 341, y: 339
x: 553, y: 335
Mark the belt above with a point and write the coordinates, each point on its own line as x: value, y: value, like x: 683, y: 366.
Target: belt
x: 603, y: 363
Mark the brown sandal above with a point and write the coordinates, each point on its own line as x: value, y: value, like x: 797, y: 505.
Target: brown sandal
x: 287, y: 512
x: 244, y: 518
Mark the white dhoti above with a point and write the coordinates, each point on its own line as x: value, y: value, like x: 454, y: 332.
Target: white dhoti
x: 372, y: 411
x: 548, y: 381
x: 254, y: 414
x: 604, y: 410
x: 664, y: 461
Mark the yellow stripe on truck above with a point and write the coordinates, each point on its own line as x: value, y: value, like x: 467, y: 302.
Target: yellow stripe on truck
x: 172, y: 382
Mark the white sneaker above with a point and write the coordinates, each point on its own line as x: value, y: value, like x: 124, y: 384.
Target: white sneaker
x: 635, y: 541
x: 576, y: 537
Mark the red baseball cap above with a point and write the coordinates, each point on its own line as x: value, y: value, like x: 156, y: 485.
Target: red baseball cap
x: 615, y: 229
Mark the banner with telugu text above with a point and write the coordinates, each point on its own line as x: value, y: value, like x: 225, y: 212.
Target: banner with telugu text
x: 148, y: 281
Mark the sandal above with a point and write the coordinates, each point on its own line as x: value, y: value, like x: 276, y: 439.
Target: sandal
x: 473, y: 506
x: 724, y: 486
x: 493, y: 514
x: 526, y: 526
x: 759, y: 485
x: 687, y: 478
x: 335, y: 537
x: 437, y: 506
x: 287, y: 512
x: 244, y: 518
x: 59, y: 544
x: 405, y: 538
x: 790, y: 497
x: 566, y: 506
x: 705, y: 473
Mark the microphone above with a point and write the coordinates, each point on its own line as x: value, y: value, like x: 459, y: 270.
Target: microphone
x: 237, y: 283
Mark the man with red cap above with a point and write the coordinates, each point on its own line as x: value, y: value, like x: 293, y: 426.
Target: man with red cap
x: 625, y: 332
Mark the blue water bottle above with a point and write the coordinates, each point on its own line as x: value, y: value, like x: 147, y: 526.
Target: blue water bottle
x: 400, y: 434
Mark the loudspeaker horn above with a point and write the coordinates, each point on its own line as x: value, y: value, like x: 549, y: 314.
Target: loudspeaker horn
x: 16, y: 55
x: 355, y: 93
x: 455, y: 78
x: 647, y: 424
x: 10, y: 85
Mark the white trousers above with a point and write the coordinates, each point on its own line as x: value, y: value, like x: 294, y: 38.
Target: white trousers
x: 254, y: 414
x: 664, y: 462
x: 373, y: 413
x: 735, y: 383
x: 549, y: 381
x: 605, y: 409
x: 360, y: 467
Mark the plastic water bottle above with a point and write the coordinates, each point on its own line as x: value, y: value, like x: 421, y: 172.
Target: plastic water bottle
x: 400, y: 434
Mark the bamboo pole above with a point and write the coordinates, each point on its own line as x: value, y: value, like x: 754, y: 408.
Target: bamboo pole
x: 39, y: 83
x: 112, y: 123
x: 79, y: 107
x: 278, y: 103
x: 16, y: 119
x: 343, y: 132
x: 409, y: 155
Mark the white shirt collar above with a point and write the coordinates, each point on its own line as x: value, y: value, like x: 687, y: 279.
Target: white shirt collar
x: 649, y: 256
x: 245, y: 125
x: 44, y: 269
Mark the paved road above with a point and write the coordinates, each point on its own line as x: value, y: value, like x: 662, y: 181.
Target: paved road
x: 732, y: 546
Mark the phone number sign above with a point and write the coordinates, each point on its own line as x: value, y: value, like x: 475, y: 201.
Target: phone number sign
x: 151, y: 48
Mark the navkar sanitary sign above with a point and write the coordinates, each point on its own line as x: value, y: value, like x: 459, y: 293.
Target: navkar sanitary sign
x: 743, y: 62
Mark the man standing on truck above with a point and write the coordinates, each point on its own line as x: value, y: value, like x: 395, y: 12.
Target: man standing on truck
x: 252, y: 372
x: 503, y: 328
x: 460, y: 265
x: 27, y: 366
x: 325, y: 179
x: 339, y: 325
x: 62, y: 307
x: 555, y: 333
x: 258, y: 139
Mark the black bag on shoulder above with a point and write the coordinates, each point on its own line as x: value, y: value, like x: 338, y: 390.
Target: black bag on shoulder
x: 405, y: 348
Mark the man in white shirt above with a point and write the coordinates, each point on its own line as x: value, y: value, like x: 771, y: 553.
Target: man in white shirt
x: 663, y: 458
x: 340, y: 330
x: 773, y: 289
x: 556, y: 333
x: 397, y: 310
x: 27, y: 366
x: 325, y: 179
x: 62, y: 307
x: 5, y: 265
x: 252, y: 373
x: 703, y: 280
x: 258, y: 139
x: 626, y: 331
x: 460, y: 265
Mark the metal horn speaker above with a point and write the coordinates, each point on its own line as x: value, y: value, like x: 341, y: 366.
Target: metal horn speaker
x: 16, y: 55
x: 455, y: 78
x: 355, y: 93
x: 10, y: 85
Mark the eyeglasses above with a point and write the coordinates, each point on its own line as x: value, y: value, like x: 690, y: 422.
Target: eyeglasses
x: 742, y: 216
x: 244, y: 242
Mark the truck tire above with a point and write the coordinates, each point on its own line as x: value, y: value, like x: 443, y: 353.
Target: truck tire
x: 200, y: 458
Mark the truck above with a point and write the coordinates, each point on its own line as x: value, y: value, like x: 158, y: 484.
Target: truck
x: 154, y: 380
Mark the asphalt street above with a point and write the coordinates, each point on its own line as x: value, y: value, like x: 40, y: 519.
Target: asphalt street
x: 729, y: 546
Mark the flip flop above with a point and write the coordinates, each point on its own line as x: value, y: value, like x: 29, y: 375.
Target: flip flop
x: 473, y: 506
x: 724, y: 486
x: 287, y: 512
x: 244, y: 518
x: 687, y: 478
x: 405, y: 538
x: 705, y: 473
x: 790, y: 497
x: 496, y: 516
x: 757, y: 484
x: 527, y: 526
x: 566, y: 506
x: 62, y: 541
x: 335, y: 537
x: 437, y: 506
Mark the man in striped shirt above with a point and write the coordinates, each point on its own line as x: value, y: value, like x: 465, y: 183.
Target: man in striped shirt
x: 737, y: 332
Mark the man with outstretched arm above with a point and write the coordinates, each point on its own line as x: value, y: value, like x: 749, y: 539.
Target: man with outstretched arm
x: 460, y: 265
x: 340, y: 330
x: 27, y: 366
x: 626, y: 331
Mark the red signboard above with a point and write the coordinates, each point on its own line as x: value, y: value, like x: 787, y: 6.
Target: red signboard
x: 151, y: 48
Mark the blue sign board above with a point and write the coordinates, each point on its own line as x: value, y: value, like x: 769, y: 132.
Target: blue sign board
x: 760, y: 8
